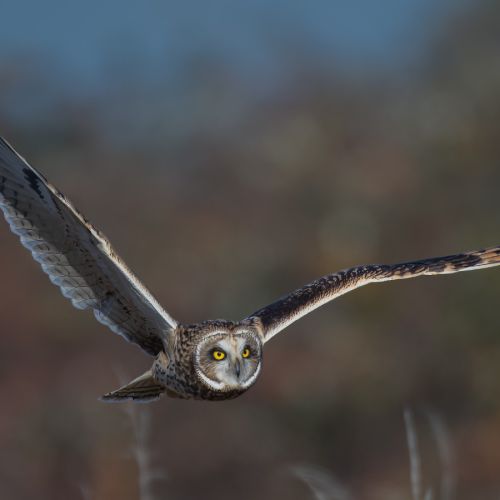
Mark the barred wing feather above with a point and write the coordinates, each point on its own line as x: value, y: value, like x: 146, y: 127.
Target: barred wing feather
x: 288, y: 309
x: 76, y: 256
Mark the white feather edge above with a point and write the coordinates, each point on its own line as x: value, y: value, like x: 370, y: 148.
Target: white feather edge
x: 271, y: 332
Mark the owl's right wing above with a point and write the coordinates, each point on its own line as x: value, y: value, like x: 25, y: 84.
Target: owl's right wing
x: 77, y: 257
x: 278, y: 315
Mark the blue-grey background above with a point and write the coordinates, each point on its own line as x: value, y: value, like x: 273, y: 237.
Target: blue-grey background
x: 232, y: 151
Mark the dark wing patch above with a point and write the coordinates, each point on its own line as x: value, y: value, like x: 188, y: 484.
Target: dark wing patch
x: 278, y: 315
x: 33, y: 181
x: 76, y: 256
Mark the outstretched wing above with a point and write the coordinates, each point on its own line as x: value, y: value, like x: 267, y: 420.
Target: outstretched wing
x: 76, y: 256
x: 278, y: 315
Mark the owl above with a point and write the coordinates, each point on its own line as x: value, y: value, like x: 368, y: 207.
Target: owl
x: 212, y: 360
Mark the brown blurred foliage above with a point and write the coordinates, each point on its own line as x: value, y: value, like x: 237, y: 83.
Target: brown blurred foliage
x: 222, y: 199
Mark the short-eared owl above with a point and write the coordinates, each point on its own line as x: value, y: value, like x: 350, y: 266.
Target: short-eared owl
x: 211, y: 360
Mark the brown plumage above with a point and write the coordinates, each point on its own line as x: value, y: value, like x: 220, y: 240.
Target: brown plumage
x: 212, y: 360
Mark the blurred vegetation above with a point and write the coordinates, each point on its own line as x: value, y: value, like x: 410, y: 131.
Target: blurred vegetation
x: 222, y: 197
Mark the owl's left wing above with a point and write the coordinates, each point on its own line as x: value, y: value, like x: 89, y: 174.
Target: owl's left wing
x: 77, y: 257
x: 278, y: 315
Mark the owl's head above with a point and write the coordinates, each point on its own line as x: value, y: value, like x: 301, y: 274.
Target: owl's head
x: 228, y: 356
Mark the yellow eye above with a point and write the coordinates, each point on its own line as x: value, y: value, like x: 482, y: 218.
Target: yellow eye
x: 246, y: 352
x: 218, y: 355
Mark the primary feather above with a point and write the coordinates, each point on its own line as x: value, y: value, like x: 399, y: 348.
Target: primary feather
x: 76, y: 256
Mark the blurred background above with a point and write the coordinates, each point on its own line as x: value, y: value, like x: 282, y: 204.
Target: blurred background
x: 233, y: 151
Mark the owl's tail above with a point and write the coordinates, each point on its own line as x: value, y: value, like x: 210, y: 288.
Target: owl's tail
x: 143, y: 389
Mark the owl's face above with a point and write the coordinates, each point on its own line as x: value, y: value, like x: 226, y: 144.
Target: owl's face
x: 227, y: 360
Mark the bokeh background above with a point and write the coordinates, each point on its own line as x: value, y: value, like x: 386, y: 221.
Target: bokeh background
x: 233, y: 151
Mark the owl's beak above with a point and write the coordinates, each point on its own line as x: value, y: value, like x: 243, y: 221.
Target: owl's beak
x: 237, y: 368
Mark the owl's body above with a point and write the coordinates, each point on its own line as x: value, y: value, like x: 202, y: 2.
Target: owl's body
x: 211, y: 360
x: 177, y: 371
